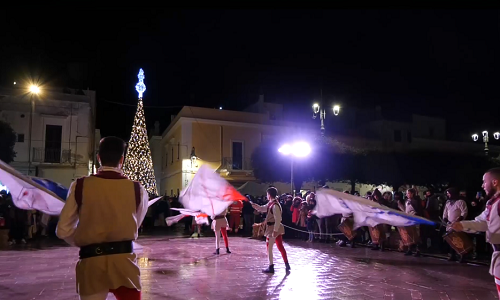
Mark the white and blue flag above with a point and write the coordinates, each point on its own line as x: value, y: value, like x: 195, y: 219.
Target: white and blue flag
x: 365, y: 212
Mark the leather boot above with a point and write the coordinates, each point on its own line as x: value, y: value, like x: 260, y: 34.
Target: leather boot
x: 287, y: 267
x: 227, y: 250
x: 216, y: 252
x: 269, y: 269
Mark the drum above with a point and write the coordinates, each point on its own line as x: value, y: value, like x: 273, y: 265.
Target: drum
x: 377, y: 234
x: 346, y: 228
x: 459, y: 241
x: 410, y: 235
x: 258, y: 230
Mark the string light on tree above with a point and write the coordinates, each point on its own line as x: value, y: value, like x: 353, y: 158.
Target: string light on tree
x: 138, y: 164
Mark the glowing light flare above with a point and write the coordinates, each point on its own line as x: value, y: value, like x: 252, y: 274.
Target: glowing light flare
x: 299, y: 149
x: 475, y: 137
x: 485, y: 133
x: 285, y: 149
x: 496, y: 135
x: 34, y: 89
x: 140, y: 87
x: 336, y: 110
x: 315, y: 108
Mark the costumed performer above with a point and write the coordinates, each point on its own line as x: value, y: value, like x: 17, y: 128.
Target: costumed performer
x: 488, y: 221
x: 102, y: 215
x: 219, y: 225
x: 274, y: 229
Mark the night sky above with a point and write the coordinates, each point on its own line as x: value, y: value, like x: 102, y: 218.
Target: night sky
x: 433, y: 62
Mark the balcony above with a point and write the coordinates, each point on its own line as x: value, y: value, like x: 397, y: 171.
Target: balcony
x: 230, y: 164
x: 53, y: 156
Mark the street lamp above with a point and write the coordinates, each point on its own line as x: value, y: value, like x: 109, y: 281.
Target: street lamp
x: 299, y: 149
x: 486, y: 139
x: 322, y: 115
x: 33, y: 90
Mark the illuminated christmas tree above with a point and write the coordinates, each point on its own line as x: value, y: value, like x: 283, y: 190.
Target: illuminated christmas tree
x: 138, y: 164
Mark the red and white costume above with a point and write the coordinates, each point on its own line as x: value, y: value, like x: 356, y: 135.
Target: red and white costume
x: 489, y: 222
x: 219, y: 225
x: 101, y: 209
x: 273, y: 227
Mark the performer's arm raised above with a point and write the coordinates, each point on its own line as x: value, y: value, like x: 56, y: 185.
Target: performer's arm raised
x: 68, y: 220
x: 260, y: 208
x: 477, y: 225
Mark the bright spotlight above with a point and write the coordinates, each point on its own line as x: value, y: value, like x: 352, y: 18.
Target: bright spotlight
x: 285, y: 149
x: 34, y: 89
x: 301, y: 149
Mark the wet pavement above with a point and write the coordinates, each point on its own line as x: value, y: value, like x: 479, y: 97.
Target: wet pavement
x: 184, y: 268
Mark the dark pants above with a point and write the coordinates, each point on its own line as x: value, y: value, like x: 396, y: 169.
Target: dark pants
x: 248, y: 219
x: 17, y: 231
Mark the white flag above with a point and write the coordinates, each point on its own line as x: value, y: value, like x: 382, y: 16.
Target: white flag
x: 209, y: 193
x: 366, y: 213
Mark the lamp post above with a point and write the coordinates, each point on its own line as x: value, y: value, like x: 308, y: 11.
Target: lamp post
x: 486, y: 139
x: 34, y: 90
x: 299, y: 149
x: 322, y: 115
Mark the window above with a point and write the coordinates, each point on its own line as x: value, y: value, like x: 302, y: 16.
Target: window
x: 177, y: 192
x: 409, y: 136
x: 237, y: 155
x: 178, y: 150
x: 20, y: 138
x: 171, y: 193
x: 397, y: 135
x: 53, y: 143
x: 172, y: 156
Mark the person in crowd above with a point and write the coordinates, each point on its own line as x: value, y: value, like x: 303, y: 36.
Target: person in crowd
x: 107, y: 260
x: 302, y: 221
x: 377, y: 233
x: 248, y: 216
x: 455, y: 210
x: 274, y: 230
x: 295, y: 210
x: 235, y: 210
x: 413, y: 207
x: 311, y: 219
x: 344, y: 239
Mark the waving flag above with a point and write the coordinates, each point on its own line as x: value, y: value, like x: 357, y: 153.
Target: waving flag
x: 33, y: 193
x: 36, y: 193
x: 200, y: 218
x: 209, y: 193
x: 366, y: 213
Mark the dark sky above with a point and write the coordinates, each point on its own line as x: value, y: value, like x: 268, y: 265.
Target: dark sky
x: 437, y: 62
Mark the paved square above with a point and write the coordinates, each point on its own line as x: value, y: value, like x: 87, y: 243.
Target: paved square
x: 184, y: 268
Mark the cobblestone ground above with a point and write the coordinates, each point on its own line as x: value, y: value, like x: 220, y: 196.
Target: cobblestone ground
x: 184, y: 268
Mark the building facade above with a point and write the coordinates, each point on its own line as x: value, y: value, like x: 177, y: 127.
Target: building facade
x: 222, y: 139
x: 62, y: 132
x: 225, y: 140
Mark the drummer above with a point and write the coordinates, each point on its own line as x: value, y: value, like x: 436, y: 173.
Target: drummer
x: 455, y: 210
x: 488, y: 220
